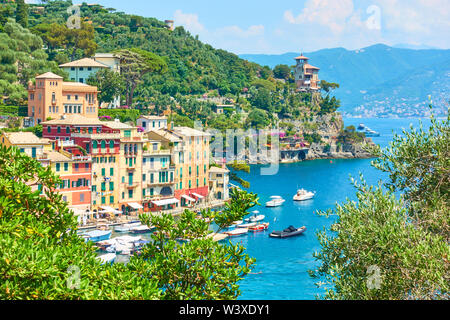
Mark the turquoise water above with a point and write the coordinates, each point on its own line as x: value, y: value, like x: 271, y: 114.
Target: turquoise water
x: 281, y: 264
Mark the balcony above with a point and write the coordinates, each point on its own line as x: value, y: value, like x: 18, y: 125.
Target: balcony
x: 165, y: 152
x: 132, y: 186
x: 97, y: 136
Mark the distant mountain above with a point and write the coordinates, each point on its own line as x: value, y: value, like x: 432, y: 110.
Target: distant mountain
x: 379, y: 80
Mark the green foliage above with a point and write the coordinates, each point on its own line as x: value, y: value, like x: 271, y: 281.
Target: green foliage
x: 22, y: 13
x: 349, y: 136
x: 418, y: 164
x: 198, y: 267
x: 282, y: 71
x: 381, y: 247
x: 328, y: 105
x: 124, y: 115
x: 312, y: 137
x: 258, y: 119
x: 110, y: 84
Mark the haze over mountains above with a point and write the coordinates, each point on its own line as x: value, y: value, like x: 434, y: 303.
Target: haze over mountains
x: 380, y: 80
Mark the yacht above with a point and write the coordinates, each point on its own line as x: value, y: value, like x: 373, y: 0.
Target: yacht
x: 367, y: 131
x: 275, y: 201
x: 303, y: 195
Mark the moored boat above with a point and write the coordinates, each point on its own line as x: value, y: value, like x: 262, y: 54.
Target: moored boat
x: 259, y: 227
x: 246, y: 225
x: 255, y: 217
x: 97, y: 235
x: 291, y: 231
x: 275, y: 202
x: 236, y: 232
x: 141, y: 229
x: 303, y: 195
x: 108, y: 258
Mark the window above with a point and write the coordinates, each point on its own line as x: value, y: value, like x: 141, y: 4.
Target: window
x: 127, y: 133
x: 111, y: 171
x: 103, y: 200
x: 103, y: 144
x: 130, y: 193
x: 68, y: 130
x: 59, y: 130
x: 111, y: 186
x: 94, y: 143
x: 49, y: 129
x: 103, y: 171
x: 81, y: 197
x: 81, y: 80
x: 111, y: 199
x: 58, y: 167
x: 66, y: 166
x: 111, y: 144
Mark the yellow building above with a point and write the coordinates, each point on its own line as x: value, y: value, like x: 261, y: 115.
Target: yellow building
x: 28, y: 143
x: 129, y: 166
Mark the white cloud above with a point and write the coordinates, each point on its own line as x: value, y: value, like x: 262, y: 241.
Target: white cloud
x: 189, y: 20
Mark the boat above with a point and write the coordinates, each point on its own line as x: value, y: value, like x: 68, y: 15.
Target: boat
x: 108, y: 258
x: 97, y: 235
x: 236, y: 232
x: 246, y: 225
x: 275, y: 202
x: 259, y: 227
x: 255, y: 217
x: 237, y: 222
x: 367, y: 131
x: 141, y: 229
x: 303, y: 195
x: 126, y: 227
x: 102, y: 226
x: 291, y: 231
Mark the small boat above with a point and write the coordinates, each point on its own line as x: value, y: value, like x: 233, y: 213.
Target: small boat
x: 237, y: 222
x: 126, y: 227
x: 246, y: 225
x: 141, y: 229
x: 108, y: 258
x: 97, y: 235
x: 236, y: 232
x: 275, y: 202
x: 288, y: 232
x: 303, y: 195
x: 259, y: 227
x: 255, y: 218
x: 367, y: 131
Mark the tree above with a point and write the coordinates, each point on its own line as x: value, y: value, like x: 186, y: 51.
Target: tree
x: 282, y: 71
x: 135, y: 63
x: 110, y: 84
x: 327, y: 87
x: 81, y: 39
x: 382, y: 247
x: 42, y: 257
x: 22, y: 13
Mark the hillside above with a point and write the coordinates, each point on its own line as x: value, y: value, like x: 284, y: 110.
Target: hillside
x: 401, y: 78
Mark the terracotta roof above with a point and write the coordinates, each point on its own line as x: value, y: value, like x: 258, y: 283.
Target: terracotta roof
x: 117, y: 125
x: 308, y: 66
x: 85, y: 62
x: 301, y: 57
x: 189, y: 132
x: 57, y: 157
x: 214, y: 169
x: 25, y: 138
x: 75, y: 119
x: 49, y: 75
x: 166, y: 134
x: 153, y: 117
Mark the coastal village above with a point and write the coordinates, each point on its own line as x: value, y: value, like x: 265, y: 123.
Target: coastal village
x: 111, y: 169
x: 116, y: 170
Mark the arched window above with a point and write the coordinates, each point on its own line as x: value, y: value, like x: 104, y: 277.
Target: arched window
x: 103, y: 144
x: 94, y: 144
x: 111, y: 144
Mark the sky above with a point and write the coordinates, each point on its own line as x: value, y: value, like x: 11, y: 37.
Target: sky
x: 279, y: 26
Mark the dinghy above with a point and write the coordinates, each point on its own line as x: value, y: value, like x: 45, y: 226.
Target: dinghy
x: 288, y: 232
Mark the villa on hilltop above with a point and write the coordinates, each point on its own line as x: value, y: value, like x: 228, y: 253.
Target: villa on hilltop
x: 306, y: 75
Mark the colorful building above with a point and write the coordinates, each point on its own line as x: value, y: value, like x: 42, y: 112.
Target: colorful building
x: 219, y: 183
x: 193, y: 169
x: 50, y: 98
x: 306, y: 76
x: 81, y: 70
x: 152, y: 122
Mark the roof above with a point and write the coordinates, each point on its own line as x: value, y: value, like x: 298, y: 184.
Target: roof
x: 49, y: 75
x: 105, y: 55
x: 301, y: 57
x: 85, y: 62
x: 166, y: 134
x: 214, y: 169
x: 148, y: 117
x: 189, y: 132
x: 308, y: 66
x: 56, y: 156
x: 117, y: 125
x: 26, y: 138
x: 74, y: 119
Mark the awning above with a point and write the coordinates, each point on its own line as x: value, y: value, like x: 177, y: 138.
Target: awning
x: 188, y: 198
x: 107, y: 209
x: 164, y: 202
x: 197, y: 195
x: 135, y: 205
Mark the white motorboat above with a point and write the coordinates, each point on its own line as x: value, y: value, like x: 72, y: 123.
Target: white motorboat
x: 255, y: 218
x: 275, y: 201
x: 141, y: 229
x: 108, y: 258
x: 303, y: 195
x: 246, y: 225
x: 237, y: 232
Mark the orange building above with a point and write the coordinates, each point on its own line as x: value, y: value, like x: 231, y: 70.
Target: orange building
x: 51, y: 97
x: 306, y: 75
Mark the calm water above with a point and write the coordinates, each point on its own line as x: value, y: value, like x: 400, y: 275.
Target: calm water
x: 282, y: 264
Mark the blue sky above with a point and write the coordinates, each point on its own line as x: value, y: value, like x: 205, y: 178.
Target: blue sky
x: 249, y: 26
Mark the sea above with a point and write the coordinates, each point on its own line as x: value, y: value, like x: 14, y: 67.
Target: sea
x: 281, y: 268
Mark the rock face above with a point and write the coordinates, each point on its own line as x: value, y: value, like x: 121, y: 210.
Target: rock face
x: 349, y: 151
